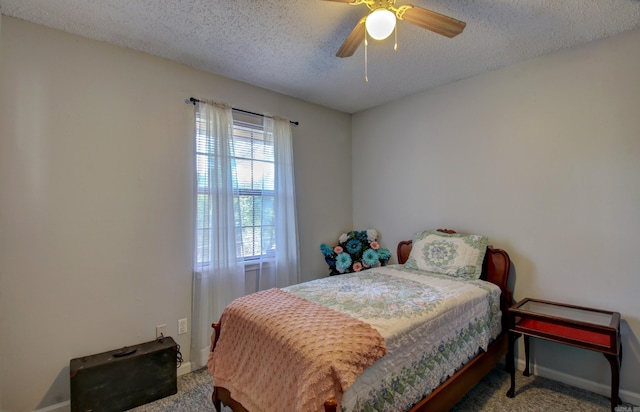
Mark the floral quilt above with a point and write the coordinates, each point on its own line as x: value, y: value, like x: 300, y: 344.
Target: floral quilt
x: 432, y: 325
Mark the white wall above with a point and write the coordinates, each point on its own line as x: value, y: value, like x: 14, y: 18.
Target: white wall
x: 95, y: 199
x: 544, y: 158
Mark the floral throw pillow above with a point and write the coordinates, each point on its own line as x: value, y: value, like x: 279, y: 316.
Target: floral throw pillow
x: 455, y: 254
x: 356, y: 250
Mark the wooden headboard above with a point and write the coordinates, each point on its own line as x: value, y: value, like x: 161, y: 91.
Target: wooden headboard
x: 495, y: 269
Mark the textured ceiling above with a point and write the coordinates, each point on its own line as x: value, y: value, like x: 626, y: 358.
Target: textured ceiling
x: 289, y: 46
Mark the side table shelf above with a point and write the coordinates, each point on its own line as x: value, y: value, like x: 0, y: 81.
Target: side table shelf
x: 594, y: 329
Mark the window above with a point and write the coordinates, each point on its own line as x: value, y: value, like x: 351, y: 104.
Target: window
x: 256, y: 196
x: 254, y: 190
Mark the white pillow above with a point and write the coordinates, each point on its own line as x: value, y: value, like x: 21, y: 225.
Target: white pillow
x: 455, y: 254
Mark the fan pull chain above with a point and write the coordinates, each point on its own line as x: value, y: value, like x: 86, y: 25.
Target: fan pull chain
x: 395, y: 46
x: 366, y: 64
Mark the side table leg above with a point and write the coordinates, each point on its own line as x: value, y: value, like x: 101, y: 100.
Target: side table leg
x: 614, y: 361
x: 620, y: 360
x: 511, y: 367
x: 526, y: 356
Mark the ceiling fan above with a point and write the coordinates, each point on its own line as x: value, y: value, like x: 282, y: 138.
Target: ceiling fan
x: 381, y: 21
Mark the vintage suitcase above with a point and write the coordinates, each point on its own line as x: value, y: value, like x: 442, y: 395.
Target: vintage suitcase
x: 124, y: 378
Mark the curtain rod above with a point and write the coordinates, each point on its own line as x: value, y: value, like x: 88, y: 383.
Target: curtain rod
x: 193, y: 100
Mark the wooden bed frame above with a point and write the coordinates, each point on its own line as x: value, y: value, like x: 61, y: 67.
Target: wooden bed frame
x: 495, y: 269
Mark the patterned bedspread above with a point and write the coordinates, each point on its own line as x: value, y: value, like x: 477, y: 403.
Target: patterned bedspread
x: 432, y: 325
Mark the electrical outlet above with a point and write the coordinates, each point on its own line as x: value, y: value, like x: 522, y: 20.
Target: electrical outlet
x: 182, y: 326
x: 161, y: 330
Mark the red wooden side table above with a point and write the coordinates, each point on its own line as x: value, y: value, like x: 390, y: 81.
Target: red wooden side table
x: 587, y: 328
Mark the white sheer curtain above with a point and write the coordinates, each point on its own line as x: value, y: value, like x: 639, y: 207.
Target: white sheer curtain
x: 245, y: 215
x: 218, y: 267
x: 281, y: 269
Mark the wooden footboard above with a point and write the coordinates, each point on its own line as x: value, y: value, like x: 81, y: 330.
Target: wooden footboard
x: 221, y: 396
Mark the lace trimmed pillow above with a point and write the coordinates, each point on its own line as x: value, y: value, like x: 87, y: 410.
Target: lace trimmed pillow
x: 455, y: 254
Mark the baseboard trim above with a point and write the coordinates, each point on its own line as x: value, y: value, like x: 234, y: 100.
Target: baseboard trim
x: 58, y: 407
x: 184, y: 368
x: 599, y: 388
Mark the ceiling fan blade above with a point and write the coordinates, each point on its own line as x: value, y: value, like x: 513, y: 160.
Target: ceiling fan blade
x: 430, y: 20
x: 352, y: 42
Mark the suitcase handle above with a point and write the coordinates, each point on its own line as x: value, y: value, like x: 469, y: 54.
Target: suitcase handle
x: 124, y: 352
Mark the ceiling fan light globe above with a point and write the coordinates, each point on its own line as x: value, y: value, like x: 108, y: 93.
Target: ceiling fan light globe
x: 380, y: 23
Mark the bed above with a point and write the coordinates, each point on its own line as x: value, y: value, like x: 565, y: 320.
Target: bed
x: 433, y: 374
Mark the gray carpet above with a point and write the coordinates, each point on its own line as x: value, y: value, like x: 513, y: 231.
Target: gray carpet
x: 532, y: 394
